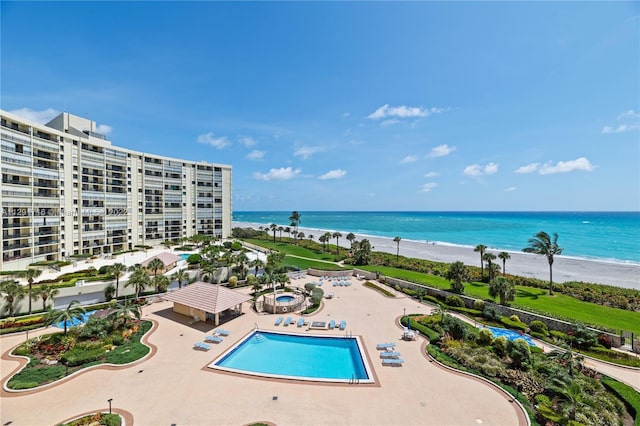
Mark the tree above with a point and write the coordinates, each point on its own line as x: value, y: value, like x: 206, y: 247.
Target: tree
x: 31, y: 275
x: 256, y: 264
x: 503, y: 255
x: 489, y: 258
x: 274, y: 228
x: 361, y: 252
x: 72, y: 312
x: 397, y: 241
x: 481, y: 248
x: 12, y: 293
x: 280, y: 229
x: 180, y: 276
x: 161, y: 283
x: 124, y: 312
x: 288, y: 231
x: 323, y: 240
x: 458, y: 274
x: 541, y: 243
x: 295, y: 219
x: 503, y: 288
x: 117, y: 270
x: 337, y: 235
x: 47, y: 292
x: 154, y: 265
x: 139, y: 280
x: 351, y: 237
x: 568, y: 358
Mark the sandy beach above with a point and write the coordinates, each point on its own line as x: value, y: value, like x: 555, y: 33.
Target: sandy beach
x: 528, y: 265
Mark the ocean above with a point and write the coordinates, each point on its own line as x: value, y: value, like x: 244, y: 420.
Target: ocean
x: 609, y: 236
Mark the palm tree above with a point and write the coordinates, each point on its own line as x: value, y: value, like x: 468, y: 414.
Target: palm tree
x: 288, y: 231
x: 310, y: 237
x: 567, y: 357
x: 351, y: 238
x: 154, y: 265
x: 295, y: 219
x: 274, y: 228
x: 481, y: 248
x: 301, y: 236
x: 180, y: 275
x: 458, y: 274
x: 12, y: 293
x: 503, y: 288
x: 504, y: 256
x: 31, y: 275
x: 118, y: 270
x: 280, y: 229
x: 161, y: 283
x: 397, y: 241
x: 45, y: 292
x: 139, y: 280
x: 541, y: 243
x: 323, y: 240
x: 337, y: 235
x: 489, y: 257
x: 256, y: 264
x: 72, y: 312
x: 124, y: 312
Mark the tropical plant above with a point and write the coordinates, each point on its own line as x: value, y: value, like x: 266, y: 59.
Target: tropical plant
x: 361, y: 252
x: 458, y: 274
x: 31, y: 275
x: 154, y: 265
x: 12, y: 293
x: 117, y: 270
x: 351, y: 237
x: 503, y: 288
x: 124, y: 312
x: 481, y: 248
x: 161, y: 283
x: 323, y: 239
x: 257, y: 263
x: 295, y: 220
x: 542, y: 243
x: 72, y: 312
x: 280, y: 229
x: 567, y: 357
x: 397, y: 241
x: 181, y: 276
x: 274, y: 228
x: 337, y: 236
x: 139, y: 280
x: 489, y: 258
x: 47, y: 292
x: 503, y: 255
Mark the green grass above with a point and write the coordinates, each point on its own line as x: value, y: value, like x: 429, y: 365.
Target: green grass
x: 379, y: 289
x: 306, y: 264
x: 628, y: 395
x: 295, y: 250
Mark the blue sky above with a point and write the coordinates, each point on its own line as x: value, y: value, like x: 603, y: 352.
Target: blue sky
x: 352, y: 106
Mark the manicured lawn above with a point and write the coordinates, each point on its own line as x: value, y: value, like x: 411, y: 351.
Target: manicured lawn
x: 306, y: 264
x: 293, y: 249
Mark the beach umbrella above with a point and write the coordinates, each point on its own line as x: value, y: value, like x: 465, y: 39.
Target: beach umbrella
x: 409, y: 323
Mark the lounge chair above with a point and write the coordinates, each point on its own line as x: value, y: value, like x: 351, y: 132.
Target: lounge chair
x: 343, y: 325
x: 201, y: 346
x: 278, y: 321
x: 222, y: 332
x: 388, y: 354
x: 396, y: 362
x: 288, y: 321
x: 300, y: 322
x: 213, y: 339
x: 332, y: 324
x: 385, y: 346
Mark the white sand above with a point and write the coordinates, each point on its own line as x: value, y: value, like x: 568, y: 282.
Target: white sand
x: 529, y: 265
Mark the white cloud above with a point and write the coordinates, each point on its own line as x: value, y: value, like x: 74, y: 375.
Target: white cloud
x: 510, y: 189
x: 428, y: 187
x: 283, y: 173
x: 389, y: 122
x: 632, y: 119
x: 478, y: 170
x: 104, y: 129
x: 431, y: 174
x: 307, y: 151
x: 409, y: 159
x: 581, y: 163
x: 40, y: 117
x: 529, y: 168
x: 629, y: 114
x: 255, y: 155
x: 403, y: 111
x: 442, y: 150
x: 247, y: 141
x: 333, y: 174
x: 210, y: 139
x: 621, y: 128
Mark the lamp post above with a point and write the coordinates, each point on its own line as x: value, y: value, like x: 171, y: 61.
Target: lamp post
x: 109, y: 401
x: 404, y: 312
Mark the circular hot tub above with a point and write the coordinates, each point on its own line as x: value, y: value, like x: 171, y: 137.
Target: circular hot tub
x: 285, y: 298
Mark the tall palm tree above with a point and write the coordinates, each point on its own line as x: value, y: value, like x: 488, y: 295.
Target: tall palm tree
x: 541, y: 243
x: 288, y: 231
x: 154, y: 265
x: 124, y: 312
x: 489, y: 258
x: 280, y: 229
x: 31, y: 275
x: 337, y: 235
x: 503, y: 288
x: 12, y: 293
x: 323, y: 240
x: 180, y: 275
x: 503, y: 255
x: 351, y: 238
x: 72, y: 312
x: 458, y: 274
x: 274, y: 228
x: 481, y: 248
x: 139, y: 280
x: 46, y: 292
x: 295, y: 219
x: 256, y: 264
x: 161, y: 283
x: 397, y: 241
x: 118, y: 270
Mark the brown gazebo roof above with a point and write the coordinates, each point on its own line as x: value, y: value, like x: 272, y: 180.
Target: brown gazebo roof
x: 207, y: 297
x: 166, y: 258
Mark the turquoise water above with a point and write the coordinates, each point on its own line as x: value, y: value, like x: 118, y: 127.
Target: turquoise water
x: 285, y: 298
x: 592, y: 235
x: 74, y: 322
x: 510, y: 335
x: 298, y: 356
x: 184, y: 256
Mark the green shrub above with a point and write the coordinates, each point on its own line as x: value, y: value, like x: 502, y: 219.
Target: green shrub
x: 455, y: 327
x: 78, y: 356
x: 409, y: 292
x: 478, y: 304
x: 491, y: 314
x: 515, y: 318
x: 519, y: 352
x: 454, y: 301
x: 629, y: 396
x: 559, y: 335
x: 378, y: 289
x: 194, y: 258
x: 485, y: 337
x: 233, y: 281
x: 509, y: 323
x: 539, y: 327
x: 500, y: 346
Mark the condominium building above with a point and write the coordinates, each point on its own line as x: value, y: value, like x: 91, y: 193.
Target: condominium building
x: 67, y: 191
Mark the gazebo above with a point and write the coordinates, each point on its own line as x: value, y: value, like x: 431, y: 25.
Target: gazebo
x: 200, y: 300
x: 169, y: 260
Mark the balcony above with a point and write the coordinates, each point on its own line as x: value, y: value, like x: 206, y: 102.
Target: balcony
x: 23, y: 182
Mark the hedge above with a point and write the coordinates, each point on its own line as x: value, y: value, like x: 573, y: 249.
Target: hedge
x: 629, y: 396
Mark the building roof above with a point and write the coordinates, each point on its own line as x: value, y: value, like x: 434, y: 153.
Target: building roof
x: 166, y: 258
x: 207, y: 297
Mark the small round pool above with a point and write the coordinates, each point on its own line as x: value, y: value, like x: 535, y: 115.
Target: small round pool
x: 185, y: 256
x: 285, y: 298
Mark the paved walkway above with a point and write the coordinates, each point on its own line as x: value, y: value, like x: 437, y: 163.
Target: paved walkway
x: 175, y: 386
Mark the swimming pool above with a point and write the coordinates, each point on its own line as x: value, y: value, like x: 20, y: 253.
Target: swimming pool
x: 285, y: 298
x: 75, y: 321
x: 185, y: 256
x: 510, y: 334
x: 294, y: 356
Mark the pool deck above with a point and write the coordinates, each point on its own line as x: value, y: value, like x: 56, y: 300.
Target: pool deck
x: 174, y: 385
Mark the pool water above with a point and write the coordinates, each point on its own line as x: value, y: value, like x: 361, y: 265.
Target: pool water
x: 285, y: 298
x: 185, y: 256
x: 76, y: 321
x: 279, y: 355
x: 510, y: 334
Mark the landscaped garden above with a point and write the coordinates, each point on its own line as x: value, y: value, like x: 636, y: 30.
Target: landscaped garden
x: 97, y: 419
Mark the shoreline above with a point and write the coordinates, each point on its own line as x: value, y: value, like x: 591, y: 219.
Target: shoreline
x: 565, y: 268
